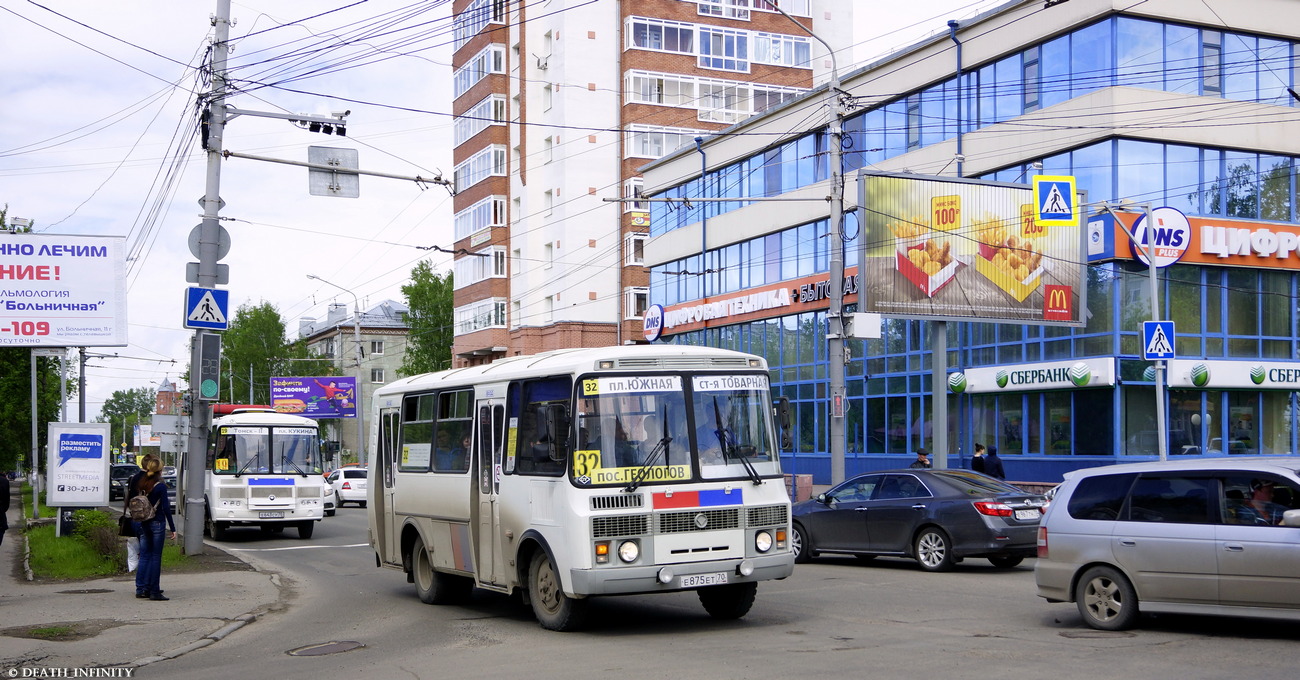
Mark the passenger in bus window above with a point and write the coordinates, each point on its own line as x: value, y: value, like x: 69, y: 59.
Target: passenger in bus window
x: 625, y: 450
x: 460, y: 454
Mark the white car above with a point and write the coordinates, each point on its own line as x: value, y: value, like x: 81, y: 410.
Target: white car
x: 349, y: 485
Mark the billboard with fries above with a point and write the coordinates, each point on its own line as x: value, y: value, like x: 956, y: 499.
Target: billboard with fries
x: 966, y: 250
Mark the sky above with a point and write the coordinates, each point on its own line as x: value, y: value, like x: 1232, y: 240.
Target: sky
x: 96, y: 138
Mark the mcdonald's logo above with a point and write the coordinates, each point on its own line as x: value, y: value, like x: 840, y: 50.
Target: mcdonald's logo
x: 1058, y: 303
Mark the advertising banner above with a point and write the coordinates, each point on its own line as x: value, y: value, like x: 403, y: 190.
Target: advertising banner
x: 943, y: 248
x: 78, y: 465
x: 315, y: 397
x: 1217, y: 241
x: 62, y: 291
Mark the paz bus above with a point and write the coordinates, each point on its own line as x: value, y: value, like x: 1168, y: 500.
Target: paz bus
x: 583, y: 472
x: 262, y: 469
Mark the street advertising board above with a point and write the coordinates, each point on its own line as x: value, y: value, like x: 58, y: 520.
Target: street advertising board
x: 62, y: 291
x: 330, y: 396
x: 966, y: 250
x: 1180, y: 239
x: 78, y: 465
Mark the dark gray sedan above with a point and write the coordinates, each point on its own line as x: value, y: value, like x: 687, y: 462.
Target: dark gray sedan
x: 937, y: 517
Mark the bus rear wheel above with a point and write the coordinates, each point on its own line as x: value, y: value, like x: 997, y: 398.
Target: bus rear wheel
x: 731, y: 601
x: 435, y: 587
x: 553, y: 609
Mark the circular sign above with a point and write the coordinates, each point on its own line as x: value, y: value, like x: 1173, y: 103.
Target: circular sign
x: 208, y: 388
x: 957, y: 382
x: 1172, y: 236
x: 653, y: 322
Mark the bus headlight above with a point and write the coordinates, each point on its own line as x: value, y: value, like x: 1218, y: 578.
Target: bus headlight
x: 628, y: 551
x: 763, y: 541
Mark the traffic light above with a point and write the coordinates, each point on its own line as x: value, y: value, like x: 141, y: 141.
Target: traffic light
x: 209, y: 366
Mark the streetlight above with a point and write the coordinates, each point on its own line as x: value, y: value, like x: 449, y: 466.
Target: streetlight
x: 356, y: 339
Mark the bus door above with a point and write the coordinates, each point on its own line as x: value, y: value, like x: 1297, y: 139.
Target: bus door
x: 489, y: 422
x: 381, y: 474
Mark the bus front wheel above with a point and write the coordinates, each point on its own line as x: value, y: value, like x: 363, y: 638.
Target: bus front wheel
x: 731, y: 601
x: 553, y: 609
x: 215, y: 530
x: 306, y: 528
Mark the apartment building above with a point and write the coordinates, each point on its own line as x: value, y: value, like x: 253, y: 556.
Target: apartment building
x: 557, y: 104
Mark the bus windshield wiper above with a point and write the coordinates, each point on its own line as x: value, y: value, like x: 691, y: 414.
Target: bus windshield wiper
x: 644, y: 470
x: 286, y: 460
x: 244, y: 467
x: 729, y: 449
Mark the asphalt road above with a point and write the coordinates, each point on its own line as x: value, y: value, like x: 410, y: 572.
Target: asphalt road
x: 834, y: 618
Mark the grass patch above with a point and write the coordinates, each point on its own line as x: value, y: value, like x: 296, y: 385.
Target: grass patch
x: 66, y: 557
x: 51, y: 632
x: 45, y: 511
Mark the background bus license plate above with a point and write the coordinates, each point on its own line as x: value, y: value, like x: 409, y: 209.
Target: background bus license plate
x: 271, y: 515
x: 1027, y: 514
x: 698, y: 580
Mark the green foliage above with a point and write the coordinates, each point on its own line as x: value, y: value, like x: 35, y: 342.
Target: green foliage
x: 62, y: 557
x: 256, y: 339
x: 126, y: 409
x: 429, y: 340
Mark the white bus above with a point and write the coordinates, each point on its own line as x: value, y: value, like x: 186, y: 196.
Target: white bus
x: 583, y: 472
x: 263, y: 469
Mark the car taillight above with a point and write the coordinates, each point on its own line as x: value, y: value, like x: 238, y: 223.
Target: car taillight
x: 993, y: 509
x: 1042, y: 542
x: 347, y: 485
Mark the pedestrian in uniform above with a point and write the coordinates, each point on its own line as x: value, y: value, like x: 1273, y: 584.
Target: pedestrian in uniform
x: 148, y: 482
x: 922, y: 460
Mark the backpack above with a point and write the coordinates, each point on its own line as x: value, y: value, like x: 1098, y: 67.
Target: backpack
x: 139, y: 509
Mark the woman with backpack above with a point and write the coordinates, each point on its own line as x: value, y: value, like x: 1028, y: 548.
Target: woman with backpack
x: 148, y: 506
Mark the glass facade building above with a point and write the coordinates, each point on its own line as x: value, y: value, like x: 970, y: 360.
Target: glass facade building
x: 1165, y: 110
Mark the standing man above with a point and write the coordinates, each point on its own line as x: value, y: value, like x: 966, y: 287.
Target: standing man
x: 977, y: 463
x: 922, y: 460
x: 993, y: 464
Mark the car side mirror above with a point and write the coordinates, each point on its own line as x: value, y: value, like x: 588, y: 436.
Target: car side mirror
x: 823, y: 499
x: 1291, y: 518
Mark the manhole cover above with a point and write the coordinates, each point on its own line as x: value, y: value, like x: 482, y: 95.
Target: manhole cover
x: 85, y: 591
x: 323, y: 648
x: 1094, y: 634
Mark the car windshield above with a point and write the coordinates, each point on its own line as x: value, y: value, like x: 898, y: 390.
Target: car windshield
x: 123, y: 471
x: 266, y: 450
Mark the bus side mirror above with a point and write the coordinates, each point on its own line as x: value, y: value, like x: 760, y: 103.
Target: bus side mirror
x: 782, y: 407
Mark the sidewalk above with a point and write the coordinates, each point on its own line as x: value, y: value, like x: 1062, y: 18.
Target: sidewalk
x: 109, y: 625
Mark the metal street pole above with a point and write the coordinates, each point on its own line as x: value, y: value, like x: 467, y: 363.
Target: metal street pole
x: 356, y: 339
x: 209, y: 241
x: 835, y: 314
x: 1162, y: 435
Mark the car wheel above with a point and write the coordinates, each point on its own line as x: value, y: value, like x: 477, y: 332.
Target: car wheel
x: 1106, y: 599
x: 553, y: 609
x: 800, y: 545
x: 731, y: 601
x: 1006, y: 562
x: 361, y: 503
x: 933, y: 549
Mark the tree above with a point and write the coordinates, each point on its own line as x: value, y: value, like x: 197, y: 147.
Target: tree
x: 16, y: 396
x: 256, y: 340
x: 125, y: 409
x: 430, y: 320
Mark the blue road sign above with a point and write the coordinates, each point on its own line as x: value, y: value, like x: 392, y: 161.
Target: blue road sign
x: 1054, y: 201
x: 207, y: 308
x: 1157, y: 340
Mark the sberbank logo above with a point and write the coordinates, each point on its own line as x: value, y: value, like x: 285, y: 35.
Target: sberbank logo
x: 1149, y: 374
x: 1080, y: 374
x: 1001, y: 378
x: 1201, y: 375
x: 957, y: 382
x: 1257, y: 375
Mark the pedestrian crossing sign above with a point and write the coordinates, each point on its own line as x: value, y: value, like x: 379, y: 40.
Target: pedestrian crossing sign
x: 1157, y: 340
x: 207, y: 308
x: 1055, y: 198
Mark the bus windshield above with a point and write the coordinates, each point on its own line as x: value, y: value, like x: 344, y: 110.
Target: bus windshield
x: 646, y: 429
x: 266, y: 450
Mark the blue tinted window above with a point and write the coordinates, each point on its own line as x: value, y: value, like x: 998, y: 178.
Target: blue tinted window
x: 931, y: 116
x: 789, y: 167
x: 807, y: 247
x: 806, y: 150
x: 1094, y: 171
x: 1139, y: 168
x: 895, y: 129
x: 1182, y: 59
x: 1090, y: 59
x: 789, y: 254
x: 1138, y: 53
x: 1213, y: 190
x: 1182, y: 178
x: 1054, y: 65
x: 873, y: 137
x: 1275, y: 188
x: 854, y: 142
x: 1274, y: 72
x: 1242, y: 184
x: 1240, y: 80
x: 987, y: 100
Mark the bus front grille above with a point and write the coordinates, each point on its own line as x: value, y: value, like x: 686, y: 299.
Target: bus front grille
x: 619, y: 525
x: 768, y: 516
x: 280, y: 492
x: 309, y: 492
x: 617, y: 502
x: 698, y: 520
x: 231, y: 492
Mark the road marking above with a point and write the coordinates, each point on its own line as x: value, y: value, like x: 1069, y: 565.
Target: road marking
x: 296, y: 547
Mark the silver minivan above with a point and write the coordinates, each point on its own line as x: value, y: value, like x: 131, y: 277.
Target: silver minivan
x: 1212, y: 536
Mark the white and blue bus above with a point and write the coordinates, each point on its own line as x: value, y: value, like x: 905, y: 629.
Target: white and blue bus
x: 583, y: 472
x: 263, y: 469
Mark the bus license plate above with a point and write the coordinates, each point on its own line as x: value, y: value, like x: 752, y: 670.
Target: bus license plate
x: 1027, y: 514
x: 271, y: 515
x: 699, y: 580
